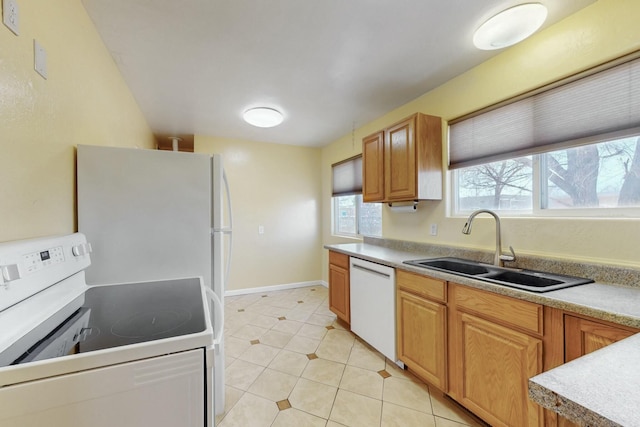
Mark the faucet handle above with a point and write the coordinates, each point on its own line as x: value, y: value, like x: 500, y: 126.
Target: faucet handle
x: 509, y: 258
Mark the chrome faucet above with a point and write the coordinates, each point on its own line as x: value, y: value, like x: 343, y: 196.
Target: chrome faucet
x: 499, y: 258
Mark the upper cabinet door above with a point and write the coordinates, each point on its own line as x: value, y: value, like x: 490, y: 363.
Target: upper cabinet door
x: 373, y: 167
x: 400, y: 161
x: 404, y: 161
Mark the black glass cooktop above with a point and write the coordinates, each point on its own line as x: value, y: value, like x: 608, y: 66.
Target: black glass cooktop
x: 119, y: 315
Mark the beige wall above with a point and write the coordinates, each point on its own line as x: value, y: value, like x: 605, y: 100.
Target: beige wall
x: 277, y: 187
x: 600, y: 32
x: 84, y: 100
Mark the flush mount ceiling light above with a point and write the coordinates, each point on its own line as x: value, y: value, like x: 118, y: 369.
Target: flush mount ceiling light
x: 263, y: 117
x: 510, y: 26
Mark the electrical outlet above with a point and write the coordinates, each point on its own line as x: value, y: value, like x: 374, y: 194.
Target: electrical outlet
x: 261, y: 229
x: 10, y: 15
x: 434, y: 229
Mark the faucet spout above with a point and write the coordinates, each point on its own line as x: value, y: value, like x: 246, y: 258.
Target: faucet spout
x: 499, y: 258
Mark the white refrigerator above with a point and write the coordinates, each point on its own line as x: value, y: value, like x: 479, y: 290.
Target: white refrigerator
x: 155, y: 215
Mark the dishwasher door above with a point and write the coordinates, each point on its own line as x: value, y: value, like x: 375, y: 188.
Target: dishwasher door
x: 373, y: 305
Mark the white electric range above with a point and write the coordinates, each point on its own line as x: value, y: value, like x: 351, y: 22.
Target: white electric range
x: 126, y: 355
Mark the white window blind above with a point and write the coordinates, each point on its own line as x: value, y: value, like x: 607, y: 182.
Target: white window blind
x: 604, y: 103
x: 347, y: 176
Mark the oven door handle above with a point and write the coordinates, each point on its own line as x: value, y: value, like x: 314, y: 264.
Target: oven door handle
x: 218, y: 319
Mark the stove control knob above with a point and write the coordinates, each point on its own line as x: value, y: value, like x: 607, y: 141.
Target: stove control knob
x: 10, y: 272
x: 82, y: 249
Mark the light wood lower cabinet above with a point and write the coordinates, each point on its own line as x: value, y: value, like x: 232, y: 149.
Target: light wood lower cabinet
x: 339, y: 290
x: 583, y: 336
x: 422, y: 326
x: 495, y: 346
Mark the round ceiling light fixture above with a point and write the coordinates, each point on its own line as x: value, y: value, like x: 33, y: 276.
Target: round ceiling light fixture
x: 510, y: 26
x: 263, y: 117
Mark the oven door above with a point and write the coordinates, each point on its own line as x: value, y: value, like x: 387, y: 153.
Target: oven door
x: 164, y: 391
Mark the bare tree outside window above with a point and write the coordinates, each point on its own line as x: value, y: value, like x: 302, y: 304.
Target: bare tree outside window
x: 603, y: 175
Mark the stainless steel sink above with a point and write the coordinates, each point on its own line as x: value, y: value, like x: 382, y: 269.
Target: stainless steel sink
x: 530, y: 280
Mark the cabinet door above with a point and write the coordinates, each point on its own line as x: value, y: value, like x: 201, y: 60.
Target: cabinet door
x: 492, y: 367
x: 373, y: 168
x: 339, y: 292
x: 583, y: 336
x: 400, y: 161
x: 422, y: 337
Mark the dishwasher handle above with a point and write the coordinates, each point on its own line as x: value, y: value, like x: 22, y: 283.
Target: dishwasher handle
x: 370, y: 270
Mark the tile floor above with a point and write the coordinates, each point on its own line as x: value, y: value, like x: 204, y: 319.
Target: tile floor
x: 290, y: 363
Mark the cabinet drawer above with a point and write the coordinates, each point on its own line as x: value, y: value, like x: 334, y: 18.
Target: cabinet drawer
x: 341, y: 260
x: 523, y: 315
x: 428, y: 287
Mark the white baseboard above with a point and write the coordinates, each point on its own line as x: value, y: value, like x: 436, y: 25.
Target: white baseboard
x: 275, y: 288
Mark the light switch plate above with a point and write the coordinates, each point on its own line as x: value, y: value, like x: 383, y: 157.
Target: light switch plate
x: 10, y: 15
x: 40, y: 59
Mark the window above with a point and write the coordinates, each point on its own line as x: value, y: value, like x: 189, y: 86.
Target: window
x: 352, y: 217
x: 582, y: 179
x: 570, y: 148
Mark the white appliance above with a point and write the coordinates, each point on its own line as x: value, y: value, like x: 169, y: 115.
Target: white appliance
x: 373, y: 305
x: 98, y: 356
x: 152, y: 215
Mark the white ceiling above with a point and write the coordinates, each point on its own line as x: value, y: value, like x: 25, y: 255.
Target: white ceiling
x: 194, y: 66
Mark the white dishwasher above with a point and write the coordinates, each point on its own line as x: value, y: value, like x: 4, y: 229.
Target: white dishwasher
x: 373, y: 305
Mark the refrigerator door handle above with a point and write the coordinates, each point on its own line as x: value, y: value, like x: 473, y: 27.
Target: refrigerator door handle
x: 218, y: 320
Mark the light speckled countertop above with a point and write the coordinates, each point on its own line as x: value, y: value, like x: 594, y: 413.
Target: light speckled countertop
x: 599, y: 389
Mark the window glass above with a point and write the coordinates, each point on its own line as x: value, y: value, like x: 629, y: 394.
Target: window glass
x: 352, y: 217
x: 595, y: 178
x: 502, y: 185
x: 605, y: 175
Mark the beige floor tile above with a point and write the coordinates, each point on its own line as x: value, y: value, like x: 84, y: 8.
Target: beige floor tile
x: 228, y: 360
x: 302, y: 345
x: 324, y: 371
x: 299, y: 314
x: 445, y: 408
x: 409, y: 394
x: 273, y: 385
x: 320, y: 319
x: 356, y: 410
x: 395, y: 371
x: 260, y: 354
x: 313, y: 398
x: 295, y: 418
x: 398, y: 416
x: 288, y: 326
x: 312, y: 331
x: 249, y: 332
x: 276, y: 338
x: 290, y: 362
x: 363, y: 356
x: 263, y: 321
x: 324, y: 311
x: 443, y: 422
x: 336, y: 346
x: 241, y: 374
x: 270, y: 310
x: 251, y: 411
x: 362, y: 381
x: 234, y: 347
x: 334, y: 424
x: 231, y: 397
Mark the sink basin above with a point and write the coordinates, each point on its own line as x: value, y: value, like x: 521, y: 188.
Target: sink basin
x: 452, y: 265
x: 530, y: 280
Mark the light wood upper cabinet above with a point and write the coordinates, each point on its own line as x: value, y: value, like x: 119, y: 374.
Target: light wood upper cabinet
x: 373, y: 167
x: 339, y: 290
x: 422, y: 326
x: 494, y: 355
x: 411, y: 161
